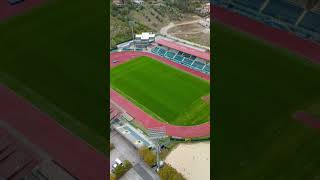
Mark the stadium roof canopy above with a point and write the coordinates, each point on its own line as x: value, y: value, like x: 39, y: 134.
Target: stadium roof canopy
x: 145, y: 35
x: 201, y: 54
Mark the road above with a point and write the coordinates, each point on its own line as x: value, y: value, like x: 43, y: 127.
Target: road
x: 126, y: 151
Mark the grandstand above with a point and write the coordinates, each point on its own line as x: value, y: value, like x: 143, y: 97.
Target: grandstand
x: 13, y: 2
x: 297, y: 16
x: 19, y: 159
x: 183, y: 54
x: 119, y: 121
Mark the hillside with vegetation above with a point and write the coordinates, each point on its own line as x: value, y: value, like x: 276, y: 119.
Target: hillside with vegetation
x: 151, y: 16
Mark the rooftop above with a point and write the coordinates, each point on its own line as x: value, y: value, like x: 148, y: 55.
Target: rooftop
x: 145, y: 35
x: 184, y: 48
x: 21, y: 159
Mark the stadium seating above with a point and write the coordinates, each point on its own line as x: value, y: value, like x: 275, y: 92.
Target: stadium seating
x: 155, y: 49
x: 311, y: 21
x: 186, y: 55
x: 193, y: 57
x: 198, y: 65
x: 13, y: 2
x: 178, y: 58
x: 187, y: 62
x: 283, y: 10
x: 206, y: 69
x: 280, y: 14
x: 252, y: 4
x: 169, y: 55
x: 182, y: 58
x: 161, y: 52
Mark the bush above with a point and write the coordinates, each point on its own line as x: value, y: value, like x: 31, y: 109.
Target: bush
x: 147, y: 156
x: 112, y: 177
x: 121, y: 170
x: 111, y: 146
x: 169, y: 173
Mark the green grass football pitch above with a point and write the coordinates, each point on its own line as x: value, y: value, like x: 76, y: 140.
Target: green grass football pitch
x: 166, y: 93
x: 257, y: 89
x: 56, y: 55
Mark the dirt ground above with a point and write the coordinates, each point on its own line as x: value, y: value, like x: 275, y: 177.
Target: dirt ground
x: 192, y: 32
x: 191, y: 160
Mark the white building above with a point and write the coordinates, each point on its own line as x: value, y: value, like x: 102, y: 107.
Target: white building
x: 139, y: 2
x: 144, y: 39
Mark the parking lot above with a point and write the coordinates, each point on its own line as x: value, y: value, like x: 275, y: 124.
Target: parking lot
x: 126, y: 151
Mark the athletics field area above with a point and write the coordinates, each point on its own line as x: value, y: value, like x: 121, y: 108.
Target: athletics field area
x: 160, y: 93
x: 170, y: 95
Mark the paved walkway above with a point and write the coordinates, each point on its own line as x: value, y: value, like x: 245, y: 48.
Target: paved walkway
x: 124, y: 150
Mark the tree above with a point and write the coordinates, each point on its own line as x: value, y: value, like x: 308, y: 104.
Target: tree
x: 169, y: 173
x: 112, y: 177
x: 120, y: 170
x: 148, y: 156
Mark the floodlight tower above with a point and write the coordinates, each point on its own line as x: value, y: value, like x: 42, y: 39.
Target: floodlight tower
x: 131, y: 24
x: 156, y: 134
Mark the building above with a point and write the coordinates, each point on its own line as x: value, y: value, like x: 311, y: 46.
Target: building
x: 138, y: 2
x: 144, y: 39
x: 118, y: 2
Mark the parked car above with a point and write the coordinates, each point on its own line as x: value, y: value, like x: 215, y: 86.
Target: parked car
x: 117, y: 162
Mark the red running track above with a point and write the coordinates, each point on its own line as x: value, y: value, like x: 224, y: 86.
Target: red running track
x: 7, y: 10
x: 202, y: 130
x: 70, y: 152
x: 307, y: 119
x: 306, y: 48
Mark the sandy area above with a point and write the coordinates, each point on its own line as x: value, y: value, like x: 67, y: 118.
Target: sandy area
x: 191, y: 160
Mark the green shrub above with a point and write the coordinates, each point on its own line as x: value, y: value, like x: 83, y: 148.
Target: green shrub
x: 148, y: 156
x: 120, y: 170
x: 169, y: 173
x: 112, y: 177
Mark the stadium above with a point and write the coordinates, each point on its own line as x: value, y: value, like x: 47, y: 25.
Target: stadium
x: 266, y: 94
x: 163, y: 84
